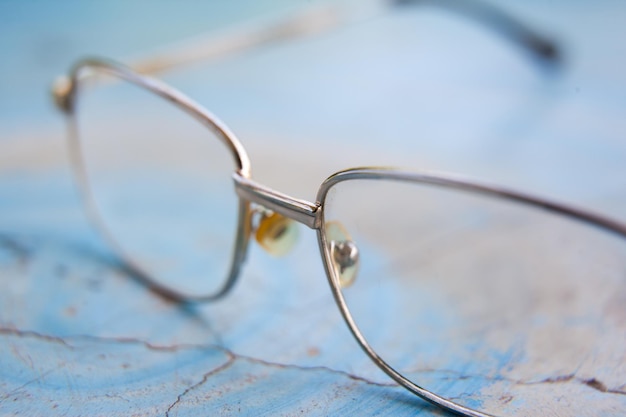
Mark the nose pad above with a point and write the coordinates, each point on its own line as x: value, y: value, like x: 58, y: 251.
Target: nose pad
x: 275, y: 233
x: 344, y: 253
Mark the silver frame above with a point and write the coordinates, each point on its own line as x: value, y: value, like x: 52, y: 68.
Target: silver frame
x: 302, y: 211
x: 447, y: 181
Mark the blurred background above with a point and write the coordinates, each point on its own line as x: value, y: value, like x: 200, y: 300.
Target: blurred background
x: 417, y: 86
x: 442, y: 88
x: 410, y: 85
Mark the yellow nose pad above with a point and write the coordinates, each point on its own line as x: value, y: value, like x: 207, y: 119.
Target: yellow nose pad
x: 61, y: 90
x: 344, y: 254
x: 276, y: 234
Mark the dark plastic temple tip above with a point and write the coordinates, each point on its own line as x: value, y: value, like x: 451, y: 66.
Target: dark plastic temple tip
x: 545, y: 51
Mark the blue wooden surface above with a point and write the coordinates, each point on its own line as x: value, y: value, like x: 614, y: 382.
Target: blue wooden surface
x: 81, y: 337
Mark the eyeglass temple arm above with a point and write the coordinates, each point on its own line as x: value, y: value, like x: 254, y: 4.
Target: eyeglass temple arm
x: 318, y: 19
x: 539, y: 46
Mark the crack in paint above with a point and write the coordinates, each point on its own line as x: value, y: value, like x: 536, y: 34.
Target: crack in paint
x: 178, y: 347
x: 30, y: 333
x: 116, y: 396
x: 27, y: 383
x: 592, y: 383
x: 598, y: 385
x: 316, y: 368
x: 231, y: 360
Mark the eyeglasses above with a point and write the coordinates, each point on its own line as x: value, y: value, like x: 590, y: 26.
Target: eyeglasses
x: 406, y: 254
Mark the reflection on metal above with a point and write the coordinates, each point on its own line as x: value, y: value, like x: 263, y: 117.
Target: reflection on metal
x: 292, y: 208
x: 61, y: 93
x: 344, y: 253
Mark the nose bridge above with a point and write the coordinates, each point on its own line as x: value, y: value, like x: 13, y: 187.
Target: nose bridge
x: 299, y: 210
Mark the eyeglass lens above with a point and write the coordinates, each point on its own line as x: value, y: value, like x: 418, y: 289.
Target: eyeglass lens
x: 445, y: 284
x: 160, y: 183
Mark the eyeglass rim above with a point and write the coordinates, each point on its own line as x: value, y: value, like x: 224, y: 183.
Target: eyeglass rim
x: 464, y: 183
x: 66, y: 98
x: 440, y: 180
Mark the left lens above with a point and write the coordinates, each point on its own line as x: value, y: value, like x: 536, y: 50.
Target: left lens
x: 496, y: 305
x: 160, y: 184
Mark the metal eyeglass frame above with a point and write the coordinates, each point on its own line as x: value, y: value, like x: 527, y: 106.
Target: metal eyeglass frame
x: 302, y: 211
x: 312, y: 20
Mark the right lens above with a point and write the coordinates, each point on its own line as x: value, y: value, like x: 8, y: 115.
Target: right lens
x: 160, y: 183
x: 500, y: 306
